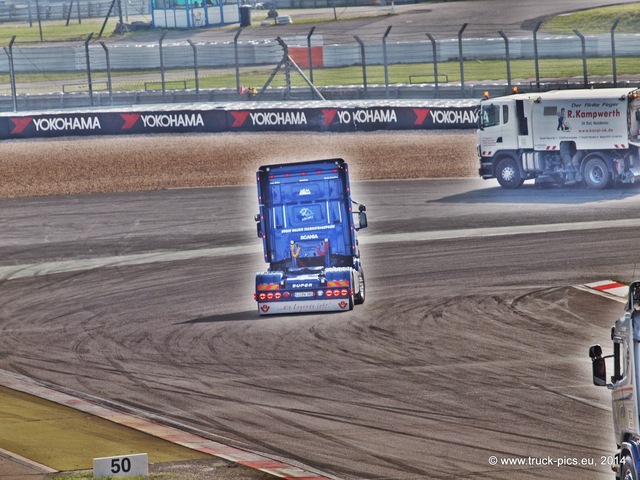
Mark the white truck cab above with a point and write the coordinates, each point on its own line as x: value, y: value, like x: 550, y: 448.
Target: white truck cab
x: 561, y: 137
x: 623, y: 383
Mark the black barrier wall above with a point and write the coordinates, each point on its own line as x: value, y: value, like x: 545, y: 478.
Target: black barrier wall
x: 215, y: 120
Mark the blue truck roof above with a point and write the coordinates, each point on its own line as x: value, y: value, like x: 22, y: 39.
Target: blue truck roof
x: 304, y: 205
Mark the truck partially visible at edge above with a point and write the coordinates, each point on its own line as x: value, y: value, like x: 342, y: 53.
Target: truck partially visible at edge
x: 623, y: 384
x: 308, y: 228
x: 561, y: 137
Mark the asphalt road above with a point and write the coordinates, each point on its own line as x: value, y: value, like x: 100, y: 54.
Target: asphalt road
x: 472, y: 342
x: 441, y: 19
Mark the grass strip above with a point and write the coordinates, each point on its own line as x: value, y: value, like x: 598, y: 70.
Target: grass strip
x: 67, y: 439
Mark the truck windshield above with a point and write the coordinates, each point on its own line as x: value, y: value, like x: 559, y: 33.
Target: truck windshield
x: 490, y: 115
x: 309, y: 219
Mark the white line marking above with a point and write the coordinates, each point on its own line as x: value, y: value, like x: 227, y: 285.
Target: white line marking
x: 13, y: 272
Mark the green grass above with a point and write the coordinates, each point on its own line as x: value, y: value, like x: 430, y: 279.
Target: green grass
x: 39, y: 430
x: 522, y: 70
x: 56, y: 31
x: 597, y: 20
x: 589, y: 21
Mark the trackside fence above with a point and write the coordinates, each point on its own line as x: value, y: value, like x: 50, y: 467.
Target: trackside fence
x: 386, y: 65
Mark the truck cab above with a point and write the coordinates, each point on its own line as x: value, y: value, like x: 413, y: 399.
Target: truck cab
x: 503, y: 129
x: 308, y: 228
x: 623, y: 383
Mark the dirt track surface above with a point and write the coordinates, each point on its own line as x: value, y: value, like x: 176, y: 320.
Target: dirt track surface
x: 118, y: 164
x: 98, y: 164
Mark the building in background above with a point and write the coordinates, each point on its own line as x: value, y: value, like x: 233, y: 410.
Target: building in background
x: 194, y: 13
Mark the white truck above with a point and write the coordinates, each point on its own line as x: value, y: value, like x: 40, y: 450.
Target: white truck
x: 561, y: 137
x: 623, y: 383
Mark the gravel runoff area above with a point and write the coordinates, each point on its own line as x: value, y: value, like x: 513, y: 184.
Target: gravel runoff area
x: 81, y: 165
x: 84, y: 165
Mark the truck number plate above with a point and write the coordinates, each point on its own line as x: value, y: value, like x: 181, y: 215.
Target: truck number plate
x: 302, y: 294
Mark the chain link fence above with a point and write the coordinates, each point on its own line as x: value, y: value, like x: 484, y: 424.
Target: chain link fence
x: 226, y: 65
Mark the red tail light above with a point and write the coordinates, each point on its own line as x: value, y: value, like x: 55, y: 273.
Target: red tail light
x: 344, y: 292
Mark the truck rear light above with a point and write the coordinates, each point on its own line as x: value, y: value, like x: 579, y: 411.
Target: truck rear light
x: 269, y: 296
x: 329, y: 293
x: 263, y: 296
x: 344, y: 292
x: 277, y: 296
x: 336, y: 293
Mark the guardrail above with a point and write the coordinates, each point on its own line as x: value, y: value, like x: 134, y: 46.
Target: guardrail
x: 323, y: 117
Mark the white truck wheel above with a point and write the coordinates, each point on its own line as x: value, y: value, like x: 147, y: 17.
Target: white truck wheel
x: 596, y: 174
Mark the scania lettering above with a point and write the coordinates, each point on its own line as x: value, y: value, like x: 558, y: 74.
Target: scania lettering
x: 66, y: 123
x: 623, y: 384
x: 166, y: 121
x: 278, y: 118
x: 563, y: 137
x: 308, y: 272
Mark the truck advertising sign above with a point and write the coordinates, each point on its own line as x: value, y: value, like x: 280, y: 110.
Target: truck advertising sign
x: 594, y: 123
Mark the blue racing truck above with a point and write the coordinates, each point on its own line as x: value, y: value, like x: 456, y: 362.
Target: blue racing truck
x: 308, y: 230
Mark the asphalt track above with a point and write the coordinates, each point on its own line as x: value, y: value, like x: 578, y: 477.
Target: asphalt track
x: 472, y: 342
x: 484, y: 18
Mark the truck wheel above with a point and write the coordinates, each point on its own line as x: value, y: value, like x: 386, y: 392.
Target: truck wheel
x: 596, y: 174
x: 628, y: 470
x: 359, y: 297
x: 351, y: 295
x: 508, y: 174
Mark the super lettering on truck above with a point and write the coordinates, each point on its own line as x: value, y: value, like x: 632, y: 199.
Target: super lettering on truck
x: 563, y: 137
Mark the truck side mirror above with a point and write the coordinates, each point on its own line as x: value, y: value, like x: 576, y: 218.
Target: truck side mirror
x: 598, y: 365
x: 258, y: 225
x: 362, y: 220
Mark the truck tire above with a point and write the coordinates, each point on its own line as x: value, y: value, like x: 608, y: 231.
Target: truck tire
x: 596, y: 173
x: 360, y: 296
x: 628, y: 469
x: 508, y: 173
x: 352, y: 296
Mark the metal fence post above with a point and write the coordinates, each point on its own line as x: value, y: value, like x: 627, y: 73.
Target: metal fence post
x: 235, y: 52
x: 195, y: 68
x: 364, y: 64
x: 507, y: 58
x: 12, y: 74
x: 39, y: 20
x: 386, y: 64
x: 89, y: 82
x: 435, y: 63
x: 535, y: 54
x: 310, y: 54
x: 287, y: 68
x: 614, y: 66
x: 164, y: 89
x: 109, y: 85
x: 461, y: 57
x: 584, y: 58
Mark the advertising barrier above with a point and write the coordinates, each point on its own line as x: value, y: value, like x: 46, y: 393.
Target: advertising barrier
x: 326, y: 118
